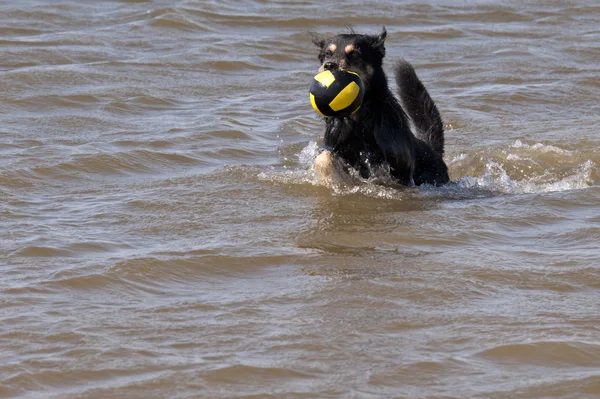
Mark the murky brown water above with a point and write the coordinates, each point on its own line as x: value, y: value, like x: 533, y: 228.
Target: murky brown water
x: 163, y: 237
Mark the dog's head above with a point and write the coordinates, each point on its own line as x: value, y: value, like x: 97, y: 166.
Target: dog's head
x: 362, y: 54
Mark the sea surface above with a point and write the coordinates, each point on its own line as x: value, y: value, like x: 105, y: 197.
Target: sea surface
x: 163, y: 234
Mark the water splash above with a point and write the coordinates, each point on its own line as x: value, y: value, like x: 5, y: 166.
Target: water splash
x: 308, y: 154
x: 539, y: 147
x: 526, y: 168
x: 496, y: 179
x: 519, y: 168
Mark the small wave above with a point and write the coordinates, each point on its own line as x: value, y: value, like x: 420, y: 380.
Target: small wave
x: 118, y: 163
x: 171, y: 18
x: 42, y: 252
x: 237, y: 372
x: 57, y: 101
x: 234, y: 65
x: 546, y: 352
x: 140, y: 104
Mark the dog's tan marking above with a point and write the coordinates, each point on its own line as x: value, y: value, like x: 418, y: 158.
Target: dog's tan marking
x: 332, y: 47
x: 349, y: 48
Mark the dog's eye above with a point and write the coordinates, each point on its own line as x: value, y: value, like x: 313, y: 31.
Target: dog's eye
x: 328, y: 53
x: 353, y: 54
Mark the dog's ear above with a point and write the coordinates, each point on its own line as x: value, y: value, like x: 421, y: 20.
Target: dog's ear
x: 382, y: 35
x: 317, y: 39
x: 378, y: 42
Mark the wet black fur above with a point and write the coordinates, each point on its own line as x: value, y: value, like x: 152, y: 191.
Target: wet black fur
x: 379, y: 133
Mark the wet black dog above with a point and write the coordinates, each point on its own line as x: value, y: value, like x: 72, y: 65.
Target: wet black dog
x: 379, y: 134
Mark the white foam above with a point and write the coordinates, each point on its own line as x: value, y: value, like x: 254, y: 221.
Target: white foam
x: 496, y: 179
x: 540, y: 147
x: 457, y: 158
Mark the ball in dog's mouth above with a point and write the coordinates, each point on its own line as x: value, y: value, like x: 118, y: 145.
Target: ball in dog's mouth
x: 336, y: 93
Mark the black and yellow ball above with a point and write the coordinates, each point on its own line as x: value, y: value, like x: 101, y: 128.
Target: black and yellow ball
x: 337, y: 93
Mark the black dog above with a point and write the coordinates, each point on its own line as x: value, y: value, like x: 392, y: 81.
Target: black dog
x: 379, y: 133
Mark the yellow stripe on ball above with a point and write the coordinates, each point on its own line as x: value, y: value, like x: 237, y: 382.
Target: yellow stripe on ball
x: 326, y: 78
x: 345, y: 98
x: 314, y: 105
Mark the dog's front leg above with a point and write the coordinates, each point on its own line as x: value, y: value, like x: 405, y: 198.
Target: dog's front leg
x: 329, y: 169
